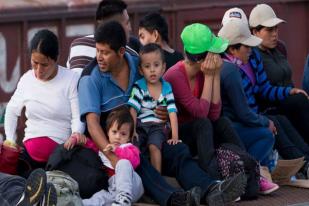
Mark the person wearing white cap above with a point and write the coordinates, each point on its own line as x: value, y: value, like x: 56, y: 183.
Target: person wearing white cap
x: 256, y: 131
x: 242, y: 79
x: 263, y: 15
x: 264, y: 24
x: 234, y: 13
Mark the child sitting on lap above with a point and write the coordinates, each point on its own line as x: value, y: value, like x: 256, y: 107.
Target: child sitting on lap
x: 125, y: 186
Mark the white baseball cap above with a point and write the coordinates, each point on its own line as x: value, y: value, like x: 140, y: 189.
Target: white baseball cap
x: 234, y: 13
x: 264, y: 15
x: 237, y: 32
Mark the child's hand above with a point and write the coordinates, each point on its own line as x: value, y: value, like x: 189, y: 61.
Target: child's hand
x: 173, y: 141
x: 109, y: 147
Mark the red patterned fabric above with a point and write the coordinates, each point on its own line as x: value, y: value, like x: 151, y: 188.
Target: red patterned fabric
x: 8, y: 159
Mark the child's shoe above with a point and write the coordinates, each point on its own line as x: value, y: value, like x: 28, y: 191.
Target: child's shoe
x: 122, y: 199
x: 266, y: 186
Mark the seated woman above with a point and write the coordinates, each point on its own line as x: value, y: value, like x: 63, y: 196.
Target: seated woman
x: 241, y: 80
x: 49, y: 94
x: 264, y: 24
x: 196, y: 87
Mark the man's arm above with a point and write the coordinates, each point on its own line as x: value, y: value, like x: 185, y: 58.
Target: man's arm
x: 99, y: 137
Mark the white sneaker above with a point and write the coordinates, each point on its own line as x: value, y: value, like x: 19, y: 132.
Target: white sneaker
x: 122, y: 199
x: 237, y: 199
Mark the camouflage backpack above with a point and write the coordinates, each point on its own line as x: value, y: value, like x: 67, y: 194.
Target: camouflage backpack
x: 66, y: 187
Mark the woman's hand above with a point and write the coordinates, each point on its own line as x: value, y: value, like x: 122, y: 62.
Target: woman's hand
x: 218, y: 63
x: 81, y: 138
x: 74, y: 139
x: 298, y: 91
x: 272, y: 128
x: 9, y: 143
x: 211, y: 64
x: 70, y: 143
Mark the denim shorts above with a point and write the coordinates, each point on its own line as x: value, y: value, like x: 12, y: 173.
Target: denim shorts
x: 151, y: 133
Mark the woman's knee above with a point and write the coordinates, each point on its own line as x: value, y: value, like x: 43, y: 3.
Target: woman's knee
x: 267, y: 137
x: 299, y: 102
x: 223, y: 121
x: 203, y: 123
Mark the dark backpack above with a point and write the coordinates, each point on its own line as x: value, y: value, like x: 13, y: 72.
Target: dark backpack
x: 232, y: 160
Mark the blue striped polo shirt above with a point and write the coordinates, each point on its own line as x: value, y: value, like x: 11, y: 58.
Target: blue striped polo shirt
x: 99, y: 92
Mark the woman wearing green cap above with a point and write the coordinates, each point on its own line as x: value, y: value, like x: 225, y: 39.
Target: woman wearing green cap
x: 196, y: 87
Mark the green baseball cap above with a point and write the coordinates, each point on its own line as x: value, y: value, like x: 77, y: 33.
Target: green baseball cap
x: 197, y: 38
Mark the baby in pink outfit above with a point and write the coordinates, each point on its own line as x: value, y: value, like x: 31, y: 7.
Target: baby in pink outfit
x: 125, y: 186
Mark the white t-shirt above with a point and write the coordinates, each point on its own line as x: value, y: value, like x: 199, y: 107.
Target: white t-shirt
x: 52, y: 107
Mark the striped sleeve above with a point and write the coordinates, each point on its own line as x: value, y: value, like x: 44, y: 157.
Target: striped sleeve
x: 267, y: 90
x: 136, y: 97
x: 82, y: 51
x: 170, y: 100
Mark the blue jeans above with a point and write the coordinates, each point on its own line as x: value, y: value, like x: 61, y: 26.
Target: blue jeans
x: 11, y: 189
x: 176, y: 162
x: 259, y: 141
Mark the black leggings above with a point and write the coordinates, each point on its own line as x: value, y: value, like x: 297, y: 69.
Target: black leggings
x: 26, y: 164
x: 289, y: 143
x: 295, y: 108
x: 203, y: 137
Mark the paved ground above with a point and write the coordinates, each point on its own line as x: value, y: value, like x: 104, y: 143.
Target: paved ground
x: 285, y: 196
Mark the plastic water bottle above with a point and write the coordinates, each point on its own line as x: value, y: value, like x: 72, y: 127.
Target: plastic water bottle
x: 273, y: 159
